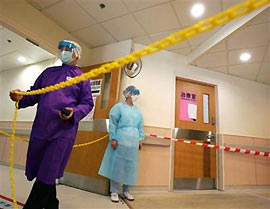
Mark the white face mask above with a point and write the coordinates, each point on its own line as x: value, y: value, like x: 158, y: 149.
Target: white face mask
x: 134, y: 98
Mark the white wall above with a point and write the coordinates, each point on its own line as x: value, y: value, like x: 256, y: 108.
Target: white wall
x: 19, y: 78
x: 110, y: 52
x: 22, y: 18
x: 269, y: 109
x: 243, y: 105
x: 1, y: 96
x: 1, y: 81
x: 23, y: 77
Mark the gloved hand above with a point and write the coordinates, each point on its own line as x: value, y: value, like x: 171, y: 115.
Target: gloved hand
x: 14, y: 96
x: 66, y: 117
x: 114, y: 143
x: 140, y: 145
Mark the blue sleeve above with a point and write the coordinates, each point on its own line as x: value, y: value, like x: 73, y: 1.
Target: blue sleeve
x: 30, y: 100
x: 114, y: 118
x: 85, y: 103
x: 140, y: 127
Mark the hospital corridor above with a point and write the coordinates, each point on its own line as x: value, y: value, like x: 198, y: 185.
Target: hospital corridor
x: 134, y: 104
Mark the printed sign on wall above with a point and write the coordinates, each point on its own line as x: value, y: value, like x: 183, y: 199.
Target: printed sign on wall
x: 96, y: 87
x: 90, y: 115
x: 188, y: 106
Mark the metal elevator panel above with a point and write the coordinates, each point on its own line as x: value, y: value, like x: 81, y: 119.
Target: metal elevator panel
x: 179, y: 133
x: 205, y: 183
x: 87, y: 183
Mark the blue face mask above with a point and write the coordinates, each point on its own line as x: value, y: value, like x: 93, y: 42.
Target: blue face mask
x: 66, y: 57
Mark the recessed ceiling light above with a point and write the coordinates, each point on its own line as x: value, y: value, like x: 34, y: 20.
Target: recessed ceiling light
x: 197, y: 10
x: 245, y: 56
x: 21, y: 59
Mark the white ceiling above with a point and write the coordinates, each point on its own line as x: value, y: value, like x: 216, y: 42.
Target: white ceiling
x: 140, y: 20
x: 146, y: 21
x: 253, y: 37
x: 14, y: 46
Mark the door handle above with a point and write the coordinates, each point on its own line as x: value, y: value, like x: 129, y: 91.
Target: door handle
x: 213, y: 121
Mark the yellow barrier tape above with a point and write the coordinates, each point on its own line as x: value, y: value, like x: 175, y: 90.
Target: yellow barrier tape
x: 15, y: 137
x: 175, y: 38
x: 11, y: 158
x: 11, y: 153
x: 74, y: 146
x: 201, y: 27
x: 92, y: 142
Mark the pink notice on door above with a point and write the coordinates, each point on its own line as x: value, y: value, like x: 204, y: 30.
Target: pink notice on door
x: 188, y: 106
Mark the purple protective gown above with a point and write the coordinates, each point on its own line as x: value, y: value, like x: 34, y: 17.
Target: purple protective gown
x: 52, y: 138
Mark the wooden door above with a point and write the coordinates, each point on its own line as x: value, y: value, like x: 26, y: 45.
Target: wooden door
x: 82, y: 168
x: 193, y: 164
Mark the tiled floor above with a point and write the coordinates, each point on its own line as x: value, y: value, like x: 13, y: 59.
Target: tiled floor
x: 78, y: 199
x: 232, y: 199
x: 69, y: 197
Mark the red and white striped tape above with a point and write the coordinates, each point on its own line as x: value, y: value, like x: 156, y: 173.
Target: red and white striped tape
x: 212, y: 146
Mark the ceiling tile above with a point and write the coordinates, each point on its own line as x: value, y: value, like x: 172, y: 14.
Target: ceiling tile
x: 35, y: 53
x: 10, y: 51
x: 246, y: 71
x: 134, y: 5
x: 157, y: 19
x: 265, y: 68
x: 267, y: 55
x: 124, y: 27
x: 144, y: 40
x: 263, y: 17
x: 94, y: 36
x: 219, y: 69
x: 6, y: 63
x: 183, y: 7
x: 256, y: 55
x: 158, y: 36
x: 114, y: 8
x: 229, y: 3
x: 17, y: 42
x: 76, y: 19
x: 219, y: 47
x: 10, y: 61
x: 184, y: 51
x: 212, y: 60
x: 264, y: 74
x: 251, y: 36
x: 41, y: 4
x: 199, y: 39
x: 194, y: 47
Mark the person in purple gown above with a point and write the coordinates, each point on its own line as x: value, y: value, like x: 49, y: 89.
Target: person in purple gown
x: 55, y: 125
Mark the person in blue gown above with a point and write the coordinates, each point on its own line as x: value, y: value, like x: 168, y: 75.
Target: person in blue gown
x: 120, y: 161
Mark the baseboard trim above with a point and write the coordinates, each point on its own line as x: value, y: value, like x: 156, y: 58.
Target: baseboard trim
x: 149, y: 189
x: 231, y: 187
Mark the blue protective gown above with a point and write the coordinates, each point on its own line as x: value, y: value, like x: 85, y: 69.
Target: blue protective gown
x: 126, y: 126
x: 52, y: 138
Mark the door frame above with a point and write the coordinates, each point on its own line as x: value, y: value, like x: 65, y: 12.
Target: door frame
x: 219, y: 140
